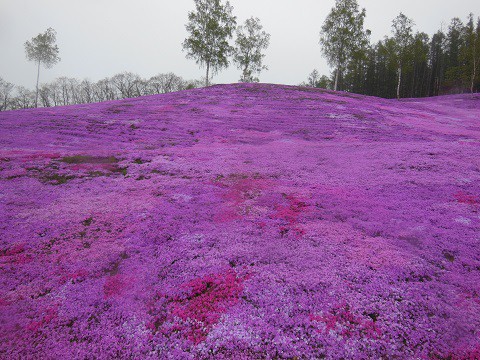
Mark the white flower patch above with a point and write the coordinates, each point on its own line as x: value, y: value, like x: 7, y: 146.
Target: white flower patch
x: 463, y: 220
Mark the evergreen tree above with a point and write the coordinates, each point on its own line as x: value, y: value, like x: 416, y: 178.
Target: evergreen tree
x: 412, y: 65
x: 418, y: 70
x: 355, y: 72
x: 476, y: 59
x: 470, y: 54
x: 437, y: 60
x: 388, y: 68
x: 454, y: 69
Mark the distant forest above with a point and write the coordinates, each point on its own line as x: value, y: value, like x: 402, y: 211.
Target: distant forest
x: 446, y: 63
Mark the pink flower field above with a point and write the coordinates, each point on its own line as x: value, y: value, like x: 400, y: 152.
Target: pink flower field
x: 242, y: 222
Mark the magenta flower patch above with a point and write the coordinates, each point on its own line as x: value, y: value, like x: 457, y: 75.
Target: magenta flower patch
x: 198, y: 307
x: 245, y: 221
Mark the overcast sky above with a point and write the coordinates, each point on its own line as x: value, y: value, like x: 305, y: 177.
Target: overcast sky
x: 99, y: 38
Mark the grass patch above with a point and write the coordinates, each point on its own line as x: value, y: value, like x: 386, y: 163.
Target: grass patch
x: 57, y: 179
x: 140, y: 161
x: 117, y: 170
x: 117, y: 109
x: 121, y: 170
x: 88, y: 159
x: 87, y: 222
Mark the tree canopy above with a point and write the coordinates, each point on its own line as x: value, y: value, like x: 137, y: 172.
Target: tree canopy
x: 343, y: 34
x: 42, y: 50
x: 210, y: 28
x: 248, y: 55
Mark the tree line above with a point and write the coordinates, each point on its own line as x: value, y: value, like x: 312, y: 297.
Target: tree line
x: 211, y: 27
x: 407, y: 63
x: 70, y: 91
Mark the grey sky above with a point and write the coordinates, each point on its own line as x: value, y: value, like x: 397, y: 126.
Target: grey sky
x: 99, y: 38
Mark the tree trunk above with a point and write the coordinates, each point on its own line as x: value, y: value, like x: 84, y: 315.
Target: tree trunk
x: 474, y: 74
x: 336, y: 79
x: 38, y: 77
x: 399, y: 81
x: 208, y: 70
x: 412, y: 90
x: 244, y: 76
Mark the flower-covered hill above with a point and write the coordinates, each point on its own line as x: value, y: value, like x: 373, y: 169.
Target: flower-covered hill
x: 243, y: 222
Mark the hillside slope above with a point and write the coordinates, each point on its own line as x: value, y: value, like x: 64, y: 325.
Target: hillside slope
x: 242, y: 221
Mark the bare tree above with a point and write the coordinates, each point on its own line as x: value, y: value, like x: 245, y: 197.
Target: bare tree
x: 141, y: 87
x: 105, y: 90
x: 45, y: 94
x: 63, y: 83
x: 56, y: 93
x: 25, y: 98
x: 75, y: 91
x: 313, y: 78
x: 5, y: 92
x: 165, y: 83
x: 126, y: 84
x: 68, y: 91
x: 87, y: 93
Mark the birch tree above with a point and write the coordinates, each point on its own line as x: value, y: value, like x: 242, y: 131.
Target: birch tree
x: 43, y: 51
x: 248, y: 55
x: 210, y: 28
x: 471, y: 51
x: 476, y: 56
x: 342, y: 34
x: 402, y: 35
